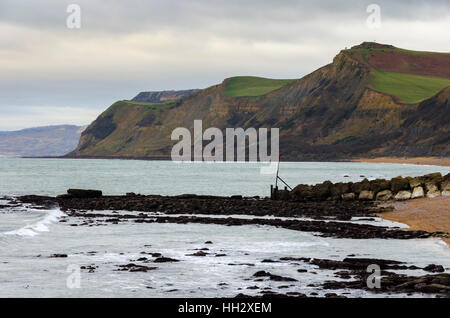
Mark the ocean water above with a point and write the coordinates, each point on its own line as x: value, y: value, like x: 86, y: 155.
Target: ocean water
x: 29, y: 236
x: 54, y: 176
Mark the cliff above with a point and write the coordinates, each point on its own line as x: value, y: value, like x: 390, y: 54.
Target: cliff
x: 358, y: 105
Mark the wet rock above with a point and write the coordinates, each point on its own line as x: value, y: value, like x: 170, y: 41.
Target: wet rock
x: 165, y: 260
x: 131, y: 267
x: 432, y: 190
x: 399, y: 184
x: 199, y: 253
x: 403, y: 195
x: 366, y: 195
x: 58, y: 255
x: 445, y: 186
x: 378, y: 185
x: 79, y: 193
x: 274, y: 277
x: 414, y: 182
x: 384, y: 195
x: 208, y: 242
x: 348, y: 196
x: 417, y: 193
x: 434, y: 268
x: 357, y: 187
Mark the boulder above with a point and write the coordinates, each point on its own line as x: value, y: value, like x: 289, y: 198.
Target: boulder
x: 445, y: 187
x: 384, y: 195
x: 79, y: 193
x: 322, y: 190
x: 417, y: 193
x: 366, y: 195
x: 357, y: 187
x: 414, y: 182
x: 338, y: 189
x: 283, y: 195
x: 435, y: 178
x: 378, y: 185
x: 432, y: 190
x: 403, y: 195
x: 348, y: 196
x: 399, y: 184
x: 302, y: 191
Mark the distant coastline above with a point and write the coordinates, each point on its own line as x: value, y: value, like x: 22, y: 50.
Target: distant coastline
x: 432, y: 161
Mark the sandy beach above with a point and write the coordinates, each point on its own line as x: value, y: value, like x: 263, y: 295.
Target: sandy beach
x: 432, y: 215
x: 434, y: 161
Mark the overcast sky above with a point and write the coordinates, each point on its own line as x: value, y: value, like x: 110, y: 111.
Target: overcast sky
x: 51, y: 74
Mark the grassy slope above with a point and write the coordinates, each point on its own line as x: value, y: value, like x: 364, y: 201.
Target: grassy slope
x: 410, y: 88
x: 253, y: 86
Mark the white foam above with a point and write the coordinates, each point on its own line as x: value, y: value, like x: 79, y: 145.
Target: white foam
x: 40, y: 226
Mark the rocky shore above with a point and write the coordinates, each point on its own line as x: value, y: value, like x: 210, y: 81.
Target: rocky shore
x: 321, y: 210
x: 398, y: 189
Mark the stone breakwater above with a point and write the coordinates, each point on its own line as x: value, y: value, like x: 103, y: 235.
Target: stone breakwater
x: 399, y: 188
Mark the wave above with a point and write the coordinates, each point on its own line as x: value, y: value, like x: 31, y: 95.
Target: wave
x: 38, y: 227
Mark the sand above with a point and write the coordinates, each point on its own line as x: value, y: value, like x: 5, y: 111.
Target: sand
x: 434, y: 161
x: 432, y: 215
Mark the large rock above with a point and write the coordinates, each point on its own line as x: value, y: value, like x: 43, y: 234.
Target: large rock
x: 79, y: 193
x: 403, y: 195
x: 357, y: 187
x: 432, y: 178
x: 378, y: 185
x: 384, y: 195
x: 399, y: 184
x: 445, y: 187
x: 348, y: 196
x: 414, y: 182
x: 301, y: 192
x: 322, y: 190
x: 417, y: 193
x: 432, y: 190
x: 338, y: 189
x: 366, y: 195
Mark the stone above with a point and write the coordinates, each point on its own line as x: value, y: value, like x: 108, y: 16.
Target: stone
x: 357, y: 187
x: 378, y: 185
x: 366, y: 195
x: 79, y: 193
x: 417, y: 193
x: 348, y: 196
x: 403, y: 195
x: 384, y: 195
x: 445, y: 186
x: 399, y: 184
x: 414, y: 182
x: 432, y: 190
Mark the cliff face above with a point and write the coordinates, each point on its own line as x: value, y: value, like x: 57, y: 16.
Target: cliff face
x: 335, y: 112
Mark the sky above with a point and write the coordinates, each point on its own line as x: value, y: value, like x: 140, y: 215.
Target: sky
x: 54, y: 74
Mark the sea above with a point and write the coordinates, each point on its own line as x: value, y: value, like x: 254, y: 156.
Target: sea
x: 29, y: 236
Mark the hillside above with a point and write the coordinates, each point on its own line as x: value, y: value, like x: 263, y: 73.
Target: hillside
x: 163, y: 96
x: 361, y: 104
x: 40, y: 141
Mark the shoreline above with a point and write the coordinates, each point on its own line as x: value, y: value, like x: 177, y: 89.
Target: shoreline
x: 429, y: 161
x: 426, y: 214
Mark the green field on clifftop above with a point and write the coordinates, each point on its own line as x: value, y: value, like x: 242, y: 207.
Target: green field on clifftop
x: 241, y: 86
x: 408, y: 87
